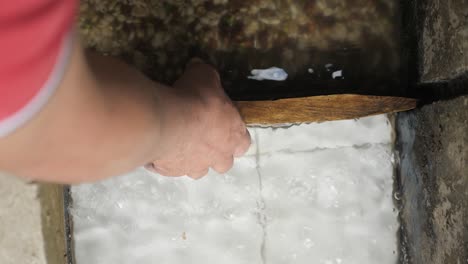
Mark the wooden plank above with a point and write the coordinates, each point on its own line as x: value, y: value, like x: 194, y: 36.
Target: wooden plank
x: 320, y: 108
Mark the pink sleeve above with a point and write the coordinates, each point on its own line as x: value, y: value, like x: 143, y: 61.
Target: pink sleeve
x: 35, y: 43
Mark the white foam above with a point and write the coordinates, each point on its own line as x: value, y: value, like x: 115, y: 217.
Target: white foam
x: 330, y: 206
x: 272, y: 74
x: 337, y: 74
x: 318, y: 193
x: 337, y: 134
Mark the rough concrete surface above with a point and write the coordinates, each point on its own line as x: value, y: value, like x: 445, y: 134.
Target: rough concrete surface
x: 444, y: 39
x: 433, y: 145
x: 32, y: 227
x: 21, y: 238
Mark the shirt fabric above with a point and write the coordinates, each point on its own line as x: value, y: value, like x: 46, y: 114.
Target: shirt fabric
x: 35, y: 44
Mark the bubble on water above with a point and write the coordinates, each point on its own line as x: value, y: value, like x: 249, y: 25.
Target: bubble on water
x: 308, y: 243
x: 240, y: 247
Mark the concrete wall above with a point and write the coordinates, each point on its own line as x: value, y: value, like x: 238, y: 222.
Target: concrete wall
x: 433, y: 145
x: 443, y: 39
x: 21, y: 239
x: 433, y: 140
x: 31, y: 222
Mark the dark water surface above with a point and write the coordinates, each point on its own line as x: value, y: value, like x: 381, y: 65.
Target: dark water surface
x: 309, y: 39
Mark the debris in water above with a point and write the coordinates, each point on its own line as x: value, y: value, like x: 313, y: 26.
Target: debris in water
x: 273, y: 74
x: 337, y: 74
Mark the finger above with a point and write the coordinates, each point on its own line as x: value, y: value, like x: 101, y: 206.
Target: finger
x: 244, y: 144
x: 201, y: 73
x: 197, y: 64
x: 164, y: 171
x: 199, y: 174
x: 195, y: 60
x: 223, y: 165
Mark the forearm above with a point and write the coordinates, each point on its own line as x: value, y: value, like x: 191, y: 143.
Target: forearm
x: 104, y: 120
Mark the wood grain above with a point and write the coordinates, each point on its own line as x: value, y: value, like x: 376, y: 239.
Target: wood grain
x: 320, y: 108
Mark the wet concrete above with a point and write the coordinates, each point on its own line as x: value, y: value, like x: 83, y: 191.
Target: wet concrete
x: 433, y: 146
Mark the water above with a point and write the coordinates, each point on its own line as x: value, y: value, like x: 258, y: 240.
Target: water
x: 318, y: 193
x: 359, y: 37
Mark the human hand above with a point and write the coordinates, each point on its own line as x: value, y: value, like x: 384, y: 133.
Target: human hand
x: 206, y: 131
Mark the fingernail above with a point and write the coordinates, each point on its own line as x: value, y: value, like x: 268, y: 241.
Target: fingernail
x: 149, y: 166
x: 154, y: 168
x: 195, y: 178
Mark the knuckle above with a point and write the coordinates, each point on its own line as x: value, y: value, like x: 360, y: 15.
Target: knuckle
x: 225, y: 166
x: 217, y: 101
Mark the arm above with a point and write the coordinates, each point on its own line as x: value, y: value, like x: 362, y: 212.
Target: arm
x: 106, y: 119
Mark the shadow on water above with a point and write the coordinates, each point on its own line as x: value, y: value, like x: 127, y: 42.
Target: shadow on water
x: 311, y: 73
x: 372, y: 68
x: 372, y: 62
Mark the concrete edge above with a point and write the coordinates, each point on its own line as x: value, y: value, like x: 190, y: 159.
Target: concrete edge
x: 51, y: 197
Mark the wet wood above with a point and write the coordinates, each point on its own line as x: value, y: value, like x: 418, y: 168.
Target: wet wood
x: 320, y: 108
